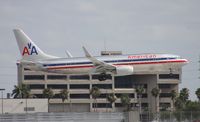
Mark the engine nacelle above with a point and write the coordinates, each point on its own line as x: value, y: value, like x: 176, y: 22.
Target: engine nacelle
x: 124, y: 70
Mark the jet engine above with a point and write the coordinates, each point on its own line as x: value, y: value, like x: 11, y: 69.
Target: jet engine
x: 124, y: 70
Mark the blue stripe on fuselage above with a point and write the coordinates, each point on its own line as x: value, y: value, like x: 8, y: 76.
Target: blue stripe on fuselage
x: 110, y: 61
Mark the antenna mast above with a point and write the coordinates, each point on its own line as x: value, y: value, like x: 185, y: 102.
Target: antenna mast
x: 104, y: 44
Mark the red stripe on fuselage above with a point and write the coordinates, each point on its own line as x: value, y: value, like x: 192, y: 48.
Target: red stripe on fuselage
x: 160, y: 62
x: 131, y: 63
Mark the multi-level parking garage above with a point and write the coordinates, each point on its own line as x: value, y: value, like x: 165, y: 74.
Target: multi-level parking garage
x: 79, y: 98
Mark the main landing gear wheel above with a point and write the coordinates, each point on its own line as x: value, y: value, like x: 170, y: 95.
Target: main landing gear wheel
x: 102, y: 77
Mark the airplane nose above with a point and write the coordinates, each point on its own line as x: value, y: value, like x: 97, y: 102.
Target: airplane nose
x: 186, y: 61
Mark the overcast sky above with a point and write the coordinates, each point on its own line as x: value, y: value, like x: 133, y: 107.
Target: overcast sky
x: 132, y: 26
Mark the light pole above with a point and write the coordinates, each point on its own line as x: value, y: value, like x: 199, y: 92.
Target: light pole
x: 2, y: 99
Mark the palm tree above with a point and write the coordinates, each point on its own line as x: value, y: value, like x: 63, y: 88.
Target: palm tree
x: 198, y: 93
x: 95, y: 92
x: 155, y: 92
x: 111, y: 98
x: 17, y: 92
x: 139, y: 91
x: 48, y: 93
x: 125, y: 100
x: 184, y: 95
x: 64, y: 96
x: 173, y: 95
x: 21, y: 91
x: 179, y: 104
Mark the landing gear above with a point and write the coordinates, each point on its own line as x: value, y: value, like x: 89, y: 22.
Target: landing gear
x: 102, y: 77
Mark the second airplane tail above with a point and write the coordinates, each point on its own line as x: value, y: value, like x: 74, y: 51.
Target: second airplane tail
x: 28, y: 49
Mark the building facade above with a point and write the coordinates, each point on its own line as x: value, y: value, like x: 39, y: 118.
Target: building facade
x: 78, y: 86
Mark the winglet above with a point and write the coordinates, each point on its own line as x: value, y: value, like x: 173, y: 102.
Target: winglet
x: 87, y: 54
x: 101, y: 66
x: 90, y: 57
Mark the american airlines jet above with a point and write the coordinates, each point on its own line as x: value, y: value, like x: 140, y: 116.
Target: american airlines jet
x: 34, y: 58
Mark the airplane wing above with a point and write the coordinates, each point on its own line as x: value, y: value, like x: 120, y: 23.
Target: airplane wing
x: 100, y: 66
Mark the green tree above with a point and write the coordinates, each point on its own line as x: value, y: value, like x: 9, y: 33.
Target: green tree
x: 64, y: 95
x: 192, y: 106
x: 125, y: 100
x: 95, y: 92
x: 173, y: 95
x: 140, y: 91
x: 111, y: 98
x: 21, y: 91
x: 179, y: 104
x: 182, y: 99
x: 48, y: 93
x: 184, y: 95
x: 155, y: 92
x: 198, y: 93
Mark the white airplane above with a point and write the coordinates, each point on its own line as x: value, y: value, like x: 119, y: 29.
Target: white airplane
x: 34, y: 58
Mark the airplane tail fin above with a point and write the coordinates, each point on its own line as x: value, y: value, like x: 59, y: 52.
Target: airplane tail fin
x: 28, y: 49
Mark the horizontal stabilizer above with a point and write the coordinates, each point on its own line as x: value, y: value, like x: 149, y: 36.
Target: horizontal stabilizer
x: 69, y: 55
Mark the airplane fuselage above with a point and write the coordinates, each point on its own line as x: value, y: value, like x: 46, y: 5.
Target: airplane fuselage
x: 82, y: 65
x: 34, y: 58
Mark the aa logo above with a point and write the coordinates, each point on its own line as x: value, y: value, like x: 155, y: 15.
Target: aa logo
x: 29, y: 50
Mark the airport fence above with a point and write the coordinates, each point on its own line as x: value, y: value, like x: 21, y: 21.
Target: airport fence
x: 181, y: 116
x: 65, y: 117
x: 178, y: 116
